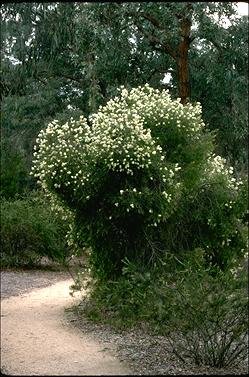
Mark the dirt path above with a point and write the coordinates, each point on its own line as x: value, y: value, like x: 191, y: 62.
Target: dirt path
x: 37, y: 340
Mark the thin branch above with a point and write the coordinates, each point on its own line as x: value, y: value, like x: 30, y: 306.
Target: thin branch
x: 216, y: 44
x: 156, y: 40
x: 158, y: 70
x: 152, y: 19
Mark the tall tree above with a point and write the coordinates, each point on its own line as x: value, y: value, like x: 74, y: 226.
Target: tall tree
x: 170, y: 28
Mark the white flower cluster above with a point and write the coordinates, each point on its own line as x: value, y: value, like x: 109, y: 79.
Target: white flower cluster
x: 61, y: 154
x: 216, y: 167
x: 156, y: 107
x: 65, y: 156
x: 121, y: 139
x: 122, y: 129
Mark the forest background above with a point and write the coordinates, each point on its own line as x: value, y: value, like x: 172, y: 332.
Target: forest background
x: 66, y: 59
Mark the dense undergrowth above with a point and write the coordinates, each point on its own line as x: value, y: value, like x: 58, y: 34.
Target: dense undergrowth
x: 203, y: 312
x: 30, y: 230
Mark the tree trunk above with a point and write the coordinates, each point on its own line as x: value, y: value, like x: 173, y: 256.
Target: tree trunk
x: 182, y: 61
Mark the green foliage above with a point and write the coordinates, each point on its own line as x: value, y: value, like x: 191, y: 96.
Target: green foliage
x: 30, y: 231
x: 13, y: 171
x: 223, y: 96
x: 210, y: 216
x: 142, y: 180
x: 204, y: 316
x: 210, y: 317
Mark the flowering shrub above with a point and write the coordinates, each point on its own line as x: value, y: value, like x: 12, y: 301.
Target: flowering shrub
x: 140, y: 178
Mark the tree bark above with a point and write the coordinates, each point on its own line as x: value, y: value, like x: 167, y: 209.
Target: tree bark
x: 182, y: 61
x: 180, y: 54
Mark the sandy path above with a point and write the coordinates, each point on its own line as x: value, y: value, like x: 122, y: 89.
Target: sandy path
x: 36, y: 340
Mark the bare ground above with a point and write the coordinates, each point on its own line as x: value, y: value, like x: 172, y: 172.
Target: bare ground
x: 36, y: 339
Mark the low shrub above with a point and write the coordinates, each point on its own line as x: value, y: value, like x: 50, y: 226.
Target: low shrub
x: 30, y: 230
x: 209, y: 317
x: 204, y: 315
